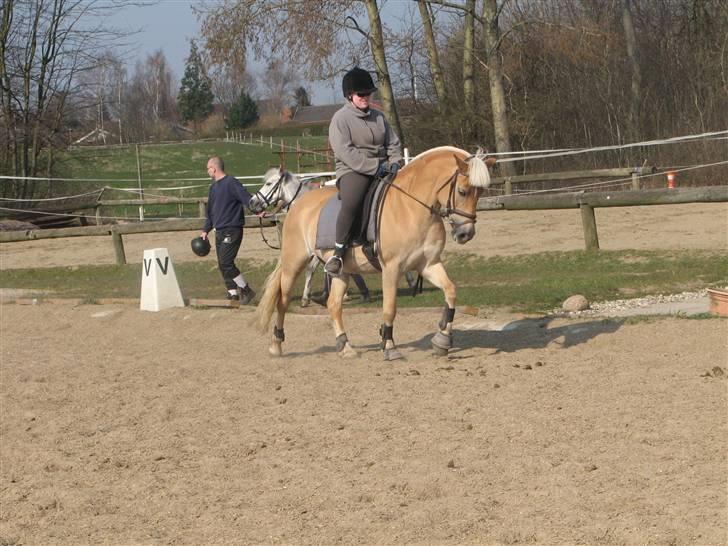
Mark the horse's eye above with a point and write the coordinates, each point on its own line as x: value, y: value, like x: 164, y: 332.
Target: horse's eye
x: 462, y: 192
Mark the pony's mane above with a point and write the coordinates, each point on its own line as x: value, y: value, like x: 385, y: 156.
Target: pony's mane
x: 478, y: 173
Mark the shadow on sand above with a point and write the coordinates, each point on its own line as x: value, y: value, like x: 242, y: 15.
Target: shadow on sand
x: 529, y: 333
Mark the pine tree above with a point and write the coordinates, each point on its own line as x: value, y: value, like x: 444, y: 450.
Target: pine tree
x: 243, y: 113
x: 195, y: 94
x: 301, y: 97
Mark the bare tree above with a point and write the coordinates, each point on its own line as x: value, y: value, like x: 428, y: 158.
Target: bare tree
x: 149, y: 103
x: 44, y: 45
x: 432, y: 52
x: 630, y: 40
x: 272, y: 27
x: 501, y: 124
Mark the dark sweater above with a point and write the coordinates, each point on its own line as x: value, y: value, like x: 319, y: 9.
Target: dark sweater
x: 225, y: 203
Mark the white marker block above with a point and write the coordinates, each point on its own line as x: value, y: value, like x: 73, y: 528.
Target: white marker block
x: 160, y: 289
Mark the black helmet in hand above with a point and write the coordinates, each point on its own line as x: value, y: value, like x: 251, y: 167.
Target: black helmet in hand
x: 200, y: 246
x: 357, y: 80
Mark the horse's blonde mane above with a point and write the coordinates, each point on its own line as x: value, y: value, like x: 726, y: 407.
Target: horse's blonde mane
x: 478, y: 173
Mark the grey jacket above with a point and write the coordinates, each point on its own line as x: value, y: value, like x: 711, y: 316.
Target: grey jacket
x: 361, y: 140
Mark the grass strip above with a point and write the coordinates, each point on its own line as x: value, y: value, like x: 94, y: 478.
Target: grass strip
x: 526, y: 283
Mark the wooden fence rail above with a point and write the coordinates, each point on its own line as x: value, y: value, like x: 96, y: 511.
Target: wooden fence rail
x: 585, y: 201
x: 588, y: 201
x: 632, y: 172
x: 118, y: 230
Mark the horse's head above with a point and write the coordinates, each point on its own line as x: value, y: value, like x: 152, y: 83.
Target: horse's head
x: 465, y: 187
x: 279, y: 189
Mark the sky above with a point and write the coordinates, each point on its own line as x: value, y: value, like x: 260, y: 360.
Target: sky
x: 170, y: 25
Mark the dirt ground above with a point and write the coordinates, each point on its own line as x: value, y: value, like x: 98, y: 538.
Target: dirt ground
x: 125, y: 427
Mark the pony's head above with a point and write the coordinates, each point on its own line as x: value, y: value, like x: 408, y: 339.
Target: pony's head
x: 279, y: 189
x: 466, y: 186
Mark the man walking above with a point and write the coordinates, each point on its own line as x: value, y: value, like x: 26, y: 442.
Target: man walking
x: 225, y: 203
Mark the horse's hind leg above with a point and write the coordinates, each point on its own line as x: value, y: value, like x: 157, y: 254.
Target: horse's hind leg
x: 310, y: 270
x: 287, y: 279
x: 335, y: 304
x: 442, y: 340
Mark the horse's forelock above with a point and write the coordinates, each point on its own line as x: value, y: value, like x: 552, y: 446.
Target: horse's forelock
x: 478, y: 173
x: 271, y: 175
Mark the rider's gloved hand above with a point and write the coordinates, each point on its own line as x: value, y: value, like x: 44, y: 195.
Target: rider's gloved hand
x: 393, y: 168
x: 383, y: 170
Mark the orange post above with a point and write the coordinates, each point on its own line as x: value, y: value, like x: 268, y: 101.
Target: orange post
x: 670, y: 179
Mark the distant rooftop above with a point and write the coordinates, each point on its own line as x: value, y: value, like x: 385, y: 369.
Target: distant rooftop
x: 313, y: 115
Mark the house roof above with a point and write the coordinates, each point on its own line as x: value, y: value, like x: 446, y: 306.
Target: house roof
x: 305, y: 115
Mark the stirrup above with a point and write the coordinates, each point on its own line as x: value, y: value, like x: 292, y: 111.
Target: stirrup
x: 334, y: 265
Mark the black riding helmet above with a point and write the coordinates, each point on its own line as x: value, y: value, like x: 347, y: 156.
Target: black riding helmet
x: 357, y: 80
x: 200, y: 246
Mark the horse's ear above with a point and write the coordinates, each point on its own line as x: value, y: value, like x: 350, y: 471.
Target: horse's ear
x: 490, y: 161
x: 462, y: 166
x: 281, y: 170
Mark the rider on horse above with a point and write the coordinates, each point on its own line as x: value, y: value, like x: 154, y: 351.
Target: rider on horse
x: 365, y: 148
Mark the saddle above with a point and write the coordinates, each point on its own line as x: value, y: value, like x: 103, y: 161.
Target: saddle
x: 366, y: 224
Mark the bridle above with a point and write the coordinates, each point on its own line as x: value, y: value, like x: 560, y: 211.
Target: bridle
x: 268, y: 196
x: 449, y: 208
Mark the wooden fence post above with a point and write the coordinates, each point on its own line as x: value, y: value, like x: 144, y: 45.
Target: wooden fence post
x: 139, y: 178
x: 118, y: 243
x: 201, y: 208
x: 508, y: 186
x: 589, y: 224
x: 635, y: 181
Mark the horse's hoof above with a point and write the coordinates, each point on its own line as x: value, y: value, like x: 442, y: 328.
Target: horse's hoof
x: 305, y: 302
x: 348, y: 352
x: 392, y: 354
x: 441, y: 341
x: 439, y: 351
x: 275, y: 349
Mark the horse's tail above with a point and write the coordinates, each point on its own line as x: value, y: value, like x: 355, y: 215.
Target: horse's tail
x: 269, y: 300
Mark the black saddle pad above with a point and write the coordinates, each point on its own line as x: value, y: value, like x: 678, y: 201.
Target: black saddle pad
x: 365, y: 226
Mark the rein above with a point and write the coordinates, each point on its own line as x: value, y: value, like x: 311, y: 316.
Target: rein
x: 449, y: 208
x: 262, y: 235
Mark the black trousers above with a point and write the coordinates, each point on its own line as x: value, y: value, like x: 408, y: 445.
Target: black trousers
x: 352, y: 189
x: 227, y: 244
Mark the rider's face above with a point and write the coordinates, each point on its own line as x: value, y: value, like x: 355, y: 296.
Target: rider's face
x: 361, y: 100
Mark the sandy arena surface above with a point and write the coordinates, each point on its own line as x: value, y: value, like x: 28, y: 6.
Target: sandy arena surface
x: 125, y: 427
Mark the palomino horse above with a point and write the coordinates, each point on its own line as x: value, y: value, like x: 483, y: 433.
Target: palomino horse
x: 441, y: 184
x: 279, y: 190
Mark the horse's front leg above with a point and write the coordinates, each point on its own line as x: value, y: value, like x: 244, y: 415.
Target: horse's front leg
x: 442, y: 340
x: 390, y: 278
x: 335, y: 305
x: 310, y: 270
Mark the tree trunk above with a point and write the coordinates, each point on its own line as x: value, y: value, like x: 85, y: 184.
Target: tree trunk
x: 630, y: 40
x: 495, y: 76
x: 468, y: 44
x: 376, y: 42
x: 432, y: 54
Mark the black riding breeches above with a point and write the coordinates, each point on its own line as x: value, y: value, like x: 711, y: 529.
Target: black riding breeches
x: 352, y: 189
x: 227, y: 244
